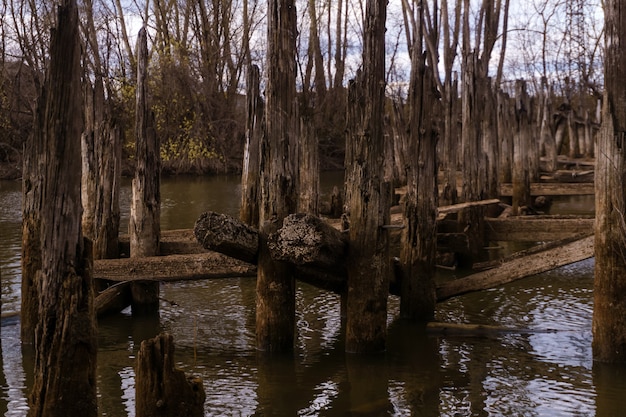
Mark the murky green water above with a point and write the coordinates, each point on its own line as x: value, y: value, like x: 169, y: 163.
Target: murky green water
x: 544, y: 373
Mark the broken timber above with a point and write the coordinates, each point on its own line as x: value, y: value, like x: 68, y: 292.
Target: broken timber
x: 518, y: 268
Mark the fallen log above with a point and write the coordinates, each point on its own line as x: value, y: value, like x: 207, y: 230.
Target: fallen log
x: 225, y: 234
x: 518, y: 268
x: 209, y: 265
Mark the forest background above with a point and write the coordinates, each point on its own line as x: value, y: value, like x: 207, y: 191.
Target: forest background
x: 200, y: 52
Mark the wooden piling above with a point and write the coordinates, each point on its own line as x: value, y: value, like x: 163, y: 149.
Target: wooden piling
x: 250, y: 181
x: 66, y: 336
x: 418, y: 249
x: 367, y: 196
x: 275, y: 302
x: 145, y: 210
x: 609, y: 311
x: 521, y: 143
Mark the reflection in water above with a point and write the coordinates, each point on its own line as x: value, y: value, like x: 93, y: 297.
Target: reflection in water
x: 546, y: 371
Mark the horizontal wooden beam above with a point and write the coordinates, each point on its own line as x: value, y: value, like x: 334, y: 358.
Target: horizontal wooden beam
x: 536, y: 228
x: 552, y: 189
x: 518, y: 268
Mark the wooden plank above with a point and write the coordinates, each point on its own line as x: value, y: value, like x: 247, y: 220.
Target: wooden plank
x: 172, y: 268
x: 536, y: 228
x: 455, y: 208
x: 552, y: 188
x: 518, y: 268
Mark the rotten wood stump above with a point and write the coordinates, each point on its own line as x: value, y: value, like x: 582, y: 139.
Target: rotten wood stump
x: 161, y: 390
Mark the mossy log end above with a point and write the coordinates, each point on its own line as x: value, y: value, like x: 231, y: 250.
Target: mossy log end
x: 161, y: 389
x: 228, y: 235
x: 307, y: 240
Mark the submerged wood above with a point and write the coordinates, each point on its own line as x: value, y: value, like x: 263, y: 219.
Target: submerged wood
x: 161, y: 390
x: 113, y: 300
x: 518, y: 268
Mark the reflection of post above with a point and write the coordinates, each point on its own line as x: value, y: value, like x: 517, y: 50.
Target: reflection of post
x: 421, y: 365
x: 369, y: 386
x: 609, y: 398
x: 144, y: 225
x: 277, y: 385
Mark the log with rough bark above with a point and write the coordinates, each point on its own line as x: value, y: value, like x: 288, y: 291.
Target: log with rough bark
x: 518, y: 268
x: 161, y: 390
x: 227, y: 235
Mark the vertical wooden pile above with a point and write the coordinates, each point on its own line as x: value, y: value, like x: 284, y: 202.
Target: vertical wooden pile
x: 367, y: 196
x: 66, y: 344
x: 275, y: 302
x: 249, y: 212
x: 609, y: 311
x: 521, y: 143
x: 145, y: 224
x: 419, y: 248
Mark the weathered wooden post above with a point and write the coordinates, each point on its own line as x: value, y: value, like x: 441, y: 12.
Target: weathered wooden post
x: 101, y: 173
x: 450, y: 145
x: 609, y: 311
x: 505, y: 137
x: 32, y: 184
x: 161, y: 390
x: 275, y: 303
x: 249, y: 212
x: 308, y: 167
x: 144, y: 224
x: 471, y: 220
x: 547, y: 138
x: 491, y: 145
x: 419, y: 243
x: 521, y: 142
x: 65, y: 342
x: 367, y: 196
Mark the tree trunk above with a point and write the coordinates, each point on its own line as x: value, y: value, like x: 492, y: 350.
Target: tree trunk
x: 275, y: 306
x: 368, y: 198
x: 521, y: 142
x: 418, y: 250
x: 249, y: 212
x: 609, y: 313
x: 161, y: 390
x: 66, y: 343
x: 144, y: 224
